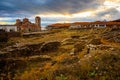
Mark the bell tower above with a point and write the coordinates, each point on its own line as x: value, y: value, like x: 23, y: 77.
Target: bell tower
x: 38, y: 21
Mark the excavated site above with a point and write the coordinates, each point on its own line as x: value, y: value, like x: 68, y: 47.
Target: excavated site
x: 63, y: 54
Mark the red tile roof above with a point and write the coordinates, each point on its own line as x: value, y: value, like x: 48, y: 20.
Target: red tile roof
x: 99, y: 22
x: 60, y: 25
x: 113, y: 23
x: 77, y: 23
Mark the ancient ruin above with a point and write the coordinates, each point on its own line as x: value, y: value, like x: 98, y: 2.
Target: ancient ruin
x: 27, y: 26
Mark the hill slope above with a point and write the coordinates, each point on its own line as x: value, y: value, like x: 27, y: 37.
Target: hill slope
x: 81, y: 55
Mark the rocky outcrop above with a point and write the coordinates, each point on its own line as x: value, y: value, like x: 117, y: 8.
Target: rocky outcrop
x: 50, y: 46
x: 78, y: 47
x: 111, y: 36
x: 21, y: 51
x: 29, y: 49
x: 68, y: 41
x: 41, y: 58
x: 69, y: 60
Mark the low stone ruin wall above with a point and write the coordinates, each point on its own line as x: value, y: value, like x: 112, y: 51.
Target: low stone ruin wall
x: 14, y: 34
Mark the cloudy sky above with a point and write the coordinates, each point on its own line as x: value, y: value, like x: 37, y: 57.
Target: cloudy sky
x: 54, y: 11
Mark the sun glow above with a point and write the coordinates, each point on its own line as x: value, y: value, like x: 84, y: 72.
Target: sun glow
x: 54, y: 15
x: 83, y: 14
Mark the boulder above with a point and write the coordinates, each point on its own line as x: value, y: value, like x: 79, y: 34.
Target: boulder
x: 50, y: 46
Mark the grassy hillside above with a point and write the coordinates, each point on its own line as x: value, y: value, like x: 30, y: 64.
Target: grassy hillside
x: 81, y: 55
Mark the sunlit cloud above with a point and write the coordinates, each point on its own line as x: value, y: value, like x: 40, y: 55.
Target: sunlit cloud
x: 52, y: 11
x: 53, y: 15
x: 80, y: 14
x: 112, y: 4
x: 2, y: 18
x: 83, y: 14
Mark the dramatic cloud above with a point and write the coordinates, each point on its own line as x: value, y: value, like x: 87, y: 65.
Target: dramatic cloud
x: 52, y: 11
x: 28, y: 7
x: 111, y: 13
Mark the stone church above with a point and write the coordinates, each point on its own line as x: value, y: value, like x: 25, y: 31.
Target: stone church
x: 26, y: 26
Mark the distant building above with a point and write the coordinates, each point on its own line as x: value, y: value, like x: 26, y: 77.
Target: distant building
x: 58, y: 26
x: 86, y: 25
x: 80, y: 25
x: 97, y: 24
x: 27, y: 26
x: 113, y: 25
x: 8, y: 28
